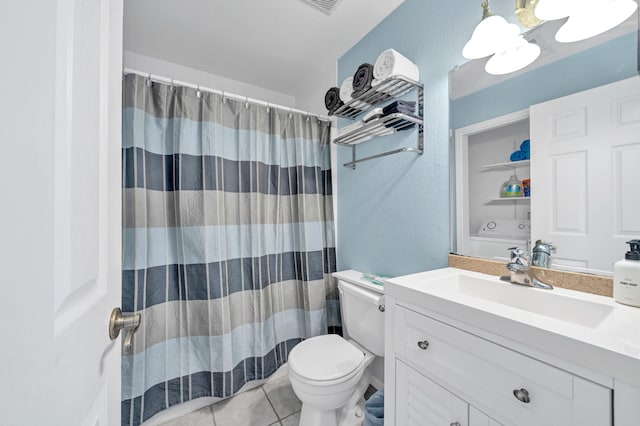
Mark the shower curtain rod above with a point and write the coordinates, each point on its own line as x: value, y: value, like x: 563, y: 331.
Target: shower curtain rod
x: 160, y: 79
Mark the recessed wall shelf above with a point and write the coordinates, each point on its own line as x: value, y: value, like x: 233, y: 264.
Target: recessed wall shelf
x: 503, y: 199
x: 387, y: 90
x: 509, y: 165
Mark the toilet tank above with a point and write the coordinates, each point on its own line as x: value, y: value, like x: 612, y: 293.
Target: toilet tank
x: 362, y: 308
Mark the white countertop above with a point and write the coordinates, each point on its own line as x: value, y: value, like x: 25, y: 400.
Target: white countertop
x: 593, y: 331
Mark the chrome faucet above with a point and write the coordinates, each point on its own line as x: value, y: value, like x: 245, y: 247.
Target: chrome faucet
x: 522, y: 273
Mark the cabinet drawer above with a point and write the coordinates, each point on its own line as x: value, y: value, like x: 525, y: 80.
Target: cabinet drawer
x: 488, y: 374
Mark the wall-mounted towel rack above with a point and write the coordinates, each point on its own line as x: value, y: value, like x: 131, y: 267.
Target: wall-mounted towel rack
x: 387, y: 90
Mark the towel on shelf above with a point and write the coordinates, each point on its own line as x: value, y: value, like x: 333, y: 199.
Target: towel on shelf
x: 518, y: 155
x: 374, y: 113
x: 527, y: 155
x: 391, y: 63
x: 362, y: 80
x: 332, y: 100
x: 350, y: 128
x: 525, y: 145
x: 346, y: 89
x: 404, y: 107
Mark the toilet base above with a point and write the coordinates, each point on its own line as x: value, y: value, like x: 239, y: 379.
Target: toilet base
x: 309, y: 416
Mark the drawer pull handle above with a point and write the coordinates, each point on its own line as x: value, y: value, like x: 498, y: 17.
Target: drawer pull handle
x: 455, y: 424
x: 522, y: 395
x: 423, y: 344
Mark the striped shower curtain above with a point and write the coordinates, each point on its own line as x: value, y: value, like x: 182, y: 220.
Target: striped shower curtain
x: 228, y: 242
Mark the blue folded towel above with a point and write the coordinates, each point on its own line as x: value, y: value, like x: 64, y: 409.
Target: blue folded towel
x: 517, y: 156
x: 527, y: 155
x: 525, y: 145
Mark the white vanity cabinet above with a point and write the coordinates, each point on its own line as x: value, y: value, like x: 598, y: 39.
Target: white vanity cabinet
x: 467, y: 349
x: 474, y: 371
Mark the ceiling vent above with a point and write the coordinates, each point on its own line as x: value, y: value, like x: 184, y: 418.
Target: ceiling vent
x: 327, y: 6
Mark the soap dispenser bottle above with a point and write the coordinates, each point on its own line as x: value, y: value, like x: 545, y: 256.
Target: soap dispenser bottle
x: 626, y: 276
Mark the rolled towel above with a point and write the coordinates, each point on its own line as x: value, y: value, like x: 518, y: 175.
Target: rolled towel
x: 517, y: 156
x: 391, y: 63
x: 362, y: 79
x: 346, y: 89
x: 332, y: 100
x: 525, y: 145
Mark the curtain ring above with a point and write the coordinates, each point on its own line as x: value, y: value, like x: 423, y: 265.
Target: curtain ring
x: 291, y: 113
x: 268, y: 107
x: 149, y: 82
x: 246, y: 102
x: 198, y: 92
x: 224, y: 99
x: 173, y: 86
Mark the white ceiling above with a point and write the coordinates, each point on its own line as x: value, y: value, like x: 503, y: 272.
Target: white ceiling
x: 282, y: 45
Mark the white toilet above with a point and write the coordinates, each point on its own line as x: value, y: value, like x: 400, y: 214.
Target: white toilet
x: 329, y: 373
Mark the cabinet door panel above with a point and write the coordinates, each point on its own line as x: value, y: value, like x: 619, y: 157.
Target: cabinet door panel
x: 478, y: 418
x: 422, y: 402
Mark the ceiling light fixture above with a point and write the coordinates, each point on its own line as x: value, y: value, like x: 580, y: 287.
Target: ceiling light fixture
x: 493, y: 34
x: 587, y: 18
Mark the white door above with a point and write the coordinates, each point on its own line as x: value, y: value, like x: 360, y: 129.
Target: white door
x: 60, y: 114
x: 585, y: 151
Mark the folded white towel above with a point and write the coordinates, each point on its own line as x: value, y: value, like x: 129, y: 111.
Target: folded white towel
x: 374, y: 113
x: 391, y: 63
x: 346, y: 89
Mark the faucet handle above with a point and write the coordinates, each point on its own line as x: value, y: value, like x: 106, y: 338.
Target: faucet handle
x: 544, y: 246
x: 517, y: 256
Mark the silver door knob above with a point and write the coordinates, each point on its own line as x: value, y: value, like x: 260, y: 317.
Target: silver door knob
x: 127, y: 322
x: 522, y: 395
x: 423, y: 344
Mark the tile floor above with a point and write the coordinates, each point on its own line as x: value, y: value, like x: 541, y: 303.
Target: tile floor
x: 273, y: 403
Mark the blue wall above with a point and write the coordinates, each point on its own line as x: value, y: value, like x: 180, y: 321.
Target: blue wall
x: 393, y: 212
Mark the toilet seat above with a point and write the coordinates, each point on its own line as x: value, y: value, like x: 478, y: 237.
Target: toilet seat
x: 308, y: 360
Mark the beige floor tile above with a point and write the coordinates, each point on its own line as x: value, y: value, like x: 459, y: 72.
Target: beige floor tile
x: 249, y: 408
x: 202, y: 417
x: 292, y: 420
x: 282, y: 397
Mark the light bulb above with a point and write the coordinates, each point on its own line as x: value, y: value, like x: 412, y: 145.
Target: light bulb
x: 519, y: 55
x: 550, y: 10
x: 489, y: 37
x: 595, y: 18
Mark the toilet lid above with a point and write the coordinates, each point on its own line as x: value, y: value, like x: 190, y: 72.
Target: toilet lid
x: 309, y: 358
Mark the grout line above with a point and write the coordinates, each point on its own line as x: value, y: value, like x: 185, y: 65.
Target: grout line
x: 271, y: 404
x: 213, y: 416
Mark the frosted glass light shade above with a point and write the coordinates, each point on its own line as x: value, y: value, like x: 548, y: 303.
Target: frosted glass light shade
x: 596, y: 18
x: 550, y: 10
x: 521, y: 54
x: 489, y: 37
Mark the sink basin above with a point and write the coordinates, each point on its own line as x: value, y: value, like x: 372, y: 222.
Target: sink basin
x: 556, y: 304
